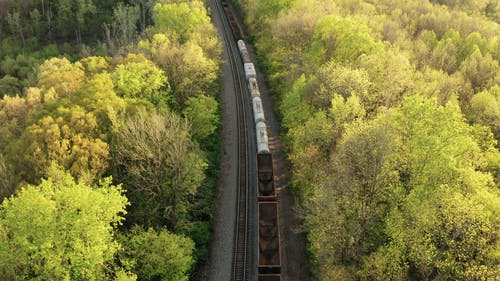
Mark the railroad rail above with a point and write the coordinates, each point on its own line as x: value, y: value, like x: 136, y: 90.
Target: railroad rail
x: 243, y: 246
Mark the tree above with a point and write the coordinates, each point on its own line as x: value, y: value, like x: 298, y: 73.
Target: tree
x: 202, y: 112
x: 7, y: 187
x: 347, y: 211
x: 180, y: 20
x: 292, y: 33
x: 481, y: 70
x: 154, y: 156
x: 190, y: 72
x: 60, y: 230
x: 342, y: 39
x: 61, y: 75
x: 15, y: 113
x: 443, y: 233
x: 333, y: 78
x: 94, y: 65
x: 311, y: 150
x: 485, y: 109
x: 22, y: 67
x: 293, y: 105
x: 70, y: 138
x: 125, y: 21
x: 73, y: 16
x: 98, y: 96
x: 138, y: 77
x: 444, y: 55
x: 158, y: 255
x: 145, y: 7
x: 9, y: 86
x: 16, y: 25
x: 390, y: 209
x: 391, y: 76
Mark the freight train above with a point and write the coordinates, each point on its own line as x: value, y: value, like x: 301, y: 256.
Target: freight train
x: 269, y: 259
x: 269, y: 263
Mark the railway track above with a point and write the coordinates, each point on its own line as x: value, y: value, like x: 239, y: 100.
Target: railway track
x: 243, y: 246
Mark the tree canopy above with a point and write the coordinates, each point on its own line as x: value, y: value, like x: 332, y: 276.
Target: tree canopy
x: 81, y: 81
x: 60, y: 229
x: 390, y: 124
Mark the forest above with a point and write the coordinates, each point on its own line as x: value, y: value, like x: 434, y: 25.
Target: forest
x: 391, y: 118
x: 109, y: 119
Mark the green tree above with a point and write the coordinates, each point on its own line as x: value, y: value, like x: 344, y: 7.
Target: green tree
x: 390, y: 207
x: 190, y: 72
x: 485, y: 109
x: 138, y: 77
x: 94, y: 65
x: 98, y: 96
x: 145, y: 7
x: 342, y: 39
x: 481, y: 70
x: 64, y: 77
x: 311, y: 150
x: 293, y: 105
x: 16, y: 26
x: 292, y: 31
x: 74, y: 16
x: 180, y: 20
x: 346, y: 211
x: 158, y: 255
x: 444, y: 55
x: 10, y: 86
x: 333, y: 78
x: 391, y: 76
x: 7, y: 186
x: 161, y: 167
x: 203, y: 114
x: 60, y: 230
x: 124, y: 25
x: 15, y: 113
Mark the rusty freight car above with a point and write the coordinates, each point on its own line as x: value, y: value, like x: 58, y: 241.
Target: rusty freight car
x: 269, y: 242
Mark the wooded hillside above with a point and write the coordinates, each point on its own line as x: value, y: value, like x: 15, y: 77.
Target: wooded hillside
x: 391, y: 111
x: 108, y: 139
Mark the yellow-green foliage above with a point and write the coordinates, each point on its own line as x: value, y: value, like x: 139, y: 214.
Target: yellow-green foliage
x: 391, y: 113
x: 60, y: 230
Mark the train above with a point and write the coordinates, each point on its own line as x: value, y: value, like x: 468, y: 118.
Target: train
x: 269, y: 258
x: 269, y: 251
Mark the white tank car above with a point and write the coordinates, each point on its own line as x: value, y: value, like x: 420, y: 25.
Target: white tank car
x: 258, y: 110
x: 249, y: 70
x: 253, y: 87
x: 241, y: 46
x: 243, y: 51
x: 262, y: 142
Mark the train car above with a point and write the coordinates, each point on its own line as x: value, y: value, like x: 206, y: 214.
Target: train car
x: 253, y: 87
x: 249, y: 70
x: 269, y: 264
x: 265, y: 178
x: 235, y: 26
x: 261, y: 135
x: 258, y: 110
x: 241, y: 46
x: 243, y: 52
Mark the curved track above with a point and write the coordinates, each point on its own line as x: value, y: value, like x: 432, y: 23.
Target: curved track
x: 244, y: 244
